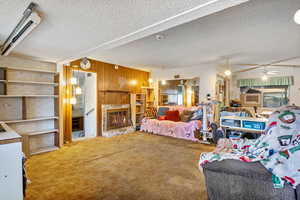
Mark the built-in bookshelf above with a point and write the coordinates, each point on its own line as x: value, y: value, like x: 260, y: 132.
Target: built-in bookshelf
x: 138, y: 106
x: 29, y: 104
x: 150, y: 99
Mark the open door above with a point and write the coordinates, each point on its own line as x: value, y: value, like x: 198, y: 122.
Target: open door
x: 90, y: 116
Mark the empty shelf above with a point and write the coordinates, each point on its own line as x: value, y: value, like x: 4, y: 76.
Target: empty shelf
x: 32, y: 82
x: 44, y: 150
x: 37, y: 96
x: 42, y: 132
x: 30, y: 70
x: 30, y: 120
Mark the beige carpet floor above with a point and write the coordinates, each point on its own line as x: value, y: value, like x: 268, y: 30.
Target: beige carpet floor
x: 136, y: 166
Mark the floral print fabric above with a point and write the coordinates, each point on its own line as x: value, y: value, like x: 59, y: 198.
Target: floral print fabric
x: 182, y: 130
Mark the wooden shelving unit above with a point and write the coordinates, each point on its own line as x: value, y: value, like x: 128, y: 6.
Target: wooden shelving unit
x: 29, y: 104
x: 138, y: 106
x: 150, y: 99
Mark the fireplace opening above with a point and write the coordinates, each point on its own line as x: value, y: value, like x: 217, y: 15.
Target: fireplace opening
x: 118, y: 118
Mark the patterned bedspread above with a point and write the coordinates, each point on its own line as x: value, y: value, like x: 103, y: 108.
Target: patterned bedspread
x: 278, y: 149
x: 182, y: 130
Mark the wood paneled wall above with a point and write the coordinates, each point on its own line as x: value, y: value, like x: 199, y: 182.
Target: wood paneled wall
x: 113, y: 85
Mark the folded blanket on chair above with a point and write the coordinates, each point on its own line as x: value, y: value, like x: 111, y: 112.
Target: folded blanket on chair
x: 278, y: 149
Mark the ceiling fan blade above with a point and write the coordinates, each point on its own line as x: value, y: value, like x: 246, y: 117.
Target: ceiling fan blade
x: 245, y: 64
x: 272, y: 72
x: 246, y: 70
x: 285, y: 65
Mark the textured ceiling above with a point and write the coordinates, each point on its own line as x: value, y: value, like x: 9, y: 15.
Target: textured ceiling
x: 258, y: 31
x: 74, y: 27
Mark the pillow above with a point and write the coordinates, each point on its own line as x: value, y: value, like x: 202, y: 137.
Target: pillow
x: 163, y: 117
x: 186, y: 115
x: 197, y: 115
x: 151, y: 112
x: 173, y: 116
x: 162, y: 111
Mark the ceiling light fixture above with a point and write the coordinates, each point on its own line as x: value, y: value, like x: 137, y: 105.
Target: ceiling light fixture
x: 227, y: 72
x: 297, y: 17
x: 163, y: 82
x: 264, y: 77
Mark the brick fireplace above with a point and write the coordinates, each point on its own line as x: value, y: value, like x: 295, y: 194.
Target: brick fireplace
x: 116, y: 120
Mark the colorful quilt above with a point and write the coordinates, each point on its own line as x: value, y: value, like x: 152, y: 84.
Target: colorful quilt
x: 278, y: 149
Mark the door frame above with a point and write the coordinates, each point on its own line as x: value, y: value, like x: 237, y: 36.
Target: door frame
x: 66, y: 94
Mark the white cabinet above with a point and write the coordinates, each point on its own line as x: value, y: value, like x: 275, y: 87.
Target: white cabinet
x: 11, y: 178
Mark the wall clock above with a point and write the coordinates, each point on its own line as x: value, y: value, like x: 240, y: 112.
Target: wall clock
x: 85, y: 63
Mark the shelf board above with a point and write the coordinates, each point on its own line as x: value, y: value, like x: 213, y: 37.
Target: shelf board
x: 140, y: 113
x: 30, y: 70
x: 2, y: 81
x: 30, y: 120
x: 116, y: 91
x: 42, y: 132
x: 37, y: 96
x: 44, y: 150
x: 32, y: 82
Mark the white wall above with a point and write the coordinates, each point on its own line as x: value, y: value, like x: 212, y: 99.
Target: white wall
x: 207, y: 75
x: 294, y: 90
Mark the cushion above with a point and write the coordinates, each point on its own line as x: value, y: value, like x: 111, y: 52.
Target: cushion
x: 173, y: 116
x: 163, y: 117
x: 253, y: 170
x: 151, y: 112
x: 197, y: 115
x: 162, y: 111
x: 186, y: 115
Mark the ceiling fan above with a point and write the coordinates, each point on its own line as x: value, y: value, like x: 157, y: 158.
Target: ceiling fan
x: 264, y: 66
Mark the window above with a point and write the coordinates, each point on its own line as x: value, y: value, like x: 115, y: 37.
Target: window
x: 274, y: 99
x: 271, y: 96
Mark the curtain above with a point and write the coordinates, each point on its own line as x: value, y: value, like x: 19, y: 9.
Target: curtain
x: 272, y: 81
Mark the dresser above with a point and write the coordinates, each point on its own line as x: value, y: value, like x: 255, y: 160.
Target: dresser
x: 11, y: 177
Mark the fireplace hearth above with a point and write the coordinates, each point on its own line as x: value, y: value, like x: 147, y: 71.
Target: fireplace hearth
x: 116, y: 120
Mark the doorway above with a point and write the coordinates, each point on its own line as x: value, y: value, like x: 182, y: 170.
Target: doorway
x: 84, y: 108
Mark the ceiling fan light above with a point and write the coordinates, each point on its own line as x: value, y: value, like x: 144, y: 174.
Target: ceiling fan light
x: 227, y: 73
x: 264, y: 77
x: 297, y: 17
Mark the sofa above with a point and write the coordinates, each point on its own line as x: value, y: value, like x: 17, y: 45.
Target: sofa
x: 168, y: 123
x: 233, y: 179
